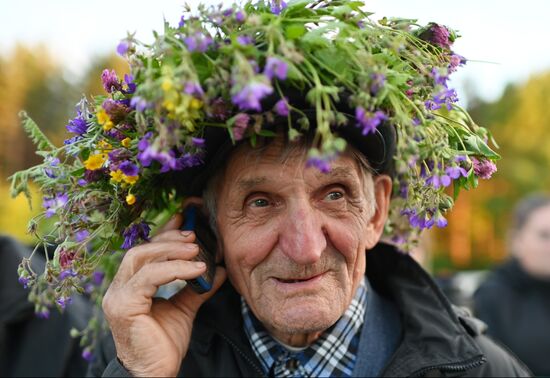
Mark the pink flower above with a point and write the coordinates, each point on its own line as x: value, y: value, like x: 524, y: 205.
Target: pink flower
x: 437, y: 35
x: 240, y: 126
x: 484, y: 168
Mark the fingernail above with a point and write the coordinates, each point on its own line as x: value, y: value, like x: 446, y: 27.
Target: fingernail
x: 186, y: 233
x: 199, y: 264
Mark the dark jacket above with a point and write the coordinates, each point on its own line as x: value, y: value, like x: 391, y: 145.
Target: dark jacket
x: 30, y: 346
x: 436, y: 340
x: 516, y: 307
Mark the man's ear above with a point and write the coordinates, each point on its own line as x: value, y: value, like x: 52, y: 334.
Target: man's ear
x: 382, y: 195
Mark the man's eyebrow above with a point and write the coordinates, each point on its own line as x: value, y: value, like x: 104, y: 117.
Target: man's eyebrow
x: 337, y: 173
x: 248, y: 183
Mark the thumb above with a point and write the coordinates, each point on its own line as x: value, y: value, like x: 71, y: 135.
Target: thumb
x: 192, y: 301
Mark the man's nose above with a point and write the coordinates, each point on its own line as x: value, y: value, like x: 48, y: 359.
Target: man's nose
x: 303, y: 237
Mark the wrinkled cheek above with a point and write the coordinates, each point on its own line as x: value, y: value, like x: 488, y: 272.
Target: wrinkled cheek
x: 243, y: 262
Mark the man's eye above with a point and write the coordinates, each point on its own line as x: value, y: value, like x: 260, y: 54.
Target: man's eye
x: 333, y: 196
x: 259, y: 202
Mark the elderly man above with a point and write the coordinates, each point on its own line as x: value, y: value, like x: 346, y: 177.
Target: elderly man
x: 290, y: 126
x: 296, y: 245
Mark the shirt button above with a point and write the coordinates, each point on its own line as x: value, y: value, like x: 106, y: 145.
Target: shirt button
x: 292, y: 364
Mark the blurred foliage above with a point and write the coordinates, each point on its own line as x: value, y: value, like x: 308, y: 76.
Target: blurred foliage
x: 520, y: 122
x: 15, y: 213
x: 32, y: 80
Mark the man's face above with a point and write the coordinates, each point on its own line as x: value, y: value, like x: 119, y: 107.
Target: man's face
x: 532, y: 243
x: 294, y: 239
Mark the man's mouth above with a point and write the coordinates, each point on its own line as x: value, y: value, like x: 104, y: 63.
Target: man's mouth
x: 293, y: 280
x: 298, y: 280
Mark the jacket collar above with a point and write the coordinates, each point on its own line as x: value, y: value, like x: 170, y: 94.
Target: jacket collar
x: 434, y: 337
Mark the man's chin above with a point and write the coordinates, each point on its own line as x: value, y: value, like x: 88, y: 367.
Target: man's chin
x: 301, y: 316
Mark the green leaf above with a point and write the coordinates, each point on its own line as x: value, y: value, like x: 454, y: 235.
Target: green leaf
x: 315, y: 38
x: 334, y: 59
x: 295, y: 31
x: 78, y: 172
x: 203, y: 66
x: 267, y: 133
x: 342, y: 10
x: 476, y: 144
x: 19, y: 184
x: 38, y: 137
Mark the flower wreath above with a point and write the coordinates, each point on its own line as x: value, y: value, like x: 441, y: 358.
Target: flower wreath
x: 212, y: 70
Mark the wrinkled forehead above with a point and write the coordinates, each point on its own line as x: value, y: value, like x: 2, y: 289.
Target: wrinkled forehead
x: 280, y: 158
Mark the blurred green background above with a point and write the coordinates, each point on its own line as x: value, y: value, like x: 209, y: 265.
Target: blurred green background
x: 33, y: 77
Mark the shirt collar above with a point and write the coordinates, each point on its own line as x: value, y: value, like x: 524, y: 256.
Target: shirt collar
x: 332, y: 354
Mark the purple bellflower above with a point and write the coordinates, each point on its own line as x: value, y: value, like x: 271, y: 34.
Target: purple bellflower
x: 81, y: 235
x: 198, y: 42
x: 198, y: 142
x: 44, y: 313
x: 277, y: 6
x: 281, y: 107
x: 122, y: 47
x: 77, y: 125
x: 240, y: 16
x: 188, y: 160
x: 67, y: 273
x: 139, y: 103
x: 369, y: 121
x: 129, y: 168
x: 275, y: 67
x: 87, y: 355
x: 250, y: 95
x: 135, y: 233
x: 24, y: 281
x: 63, y: 301
x: 322, y: 164
x: 245, y: 40
x: 378, y: 81
x: 52, y: 204
x: 193, y: 89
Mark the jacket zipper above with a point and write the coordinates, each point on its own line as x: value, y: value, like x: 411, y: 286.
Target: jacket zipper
x: 475, y: 362
x: 244, y: 355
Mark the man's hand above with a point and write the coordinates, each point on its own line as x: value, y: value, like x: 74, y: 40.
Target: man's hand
x: 151, y: 334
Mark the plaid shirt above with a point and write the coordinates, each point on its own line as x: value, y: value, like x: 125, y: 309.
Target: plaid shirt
x: 331, y: 355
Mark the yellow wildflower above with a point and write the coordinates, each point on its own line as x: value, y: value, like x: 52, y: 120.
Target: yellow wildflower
x: 130, y: 179
x: 195, y: 104
x: 169, y: 105
x: 117, y: 176
x: 104, y: 146
x: 95, y: 161
x: 130, y: 199
x: 104, y: 120
x: 108, y: 126
x: 166, y: 85
x: 126, y: 142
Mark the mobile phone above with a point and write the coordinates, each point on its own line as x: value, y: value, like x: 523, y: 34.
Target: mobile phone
x: 195, y: 220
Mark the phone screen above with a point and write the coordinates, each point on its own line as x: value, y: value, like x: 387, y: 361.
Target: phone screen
x: 195, y: 220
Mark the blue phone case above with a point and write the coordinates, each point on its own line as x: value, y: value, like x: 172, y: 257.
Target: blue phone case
x: 205, y: 241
